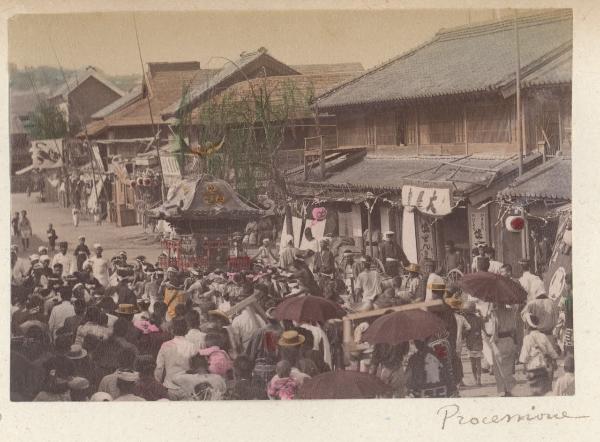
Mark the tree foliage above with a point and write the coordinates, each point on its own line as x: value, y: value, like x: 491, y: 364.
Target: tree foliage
x: 47, y: 122
x: 254, y: 123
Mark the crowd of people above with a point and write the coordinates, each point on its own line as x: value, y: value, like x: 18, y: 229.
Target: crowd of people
x: 85, y: 327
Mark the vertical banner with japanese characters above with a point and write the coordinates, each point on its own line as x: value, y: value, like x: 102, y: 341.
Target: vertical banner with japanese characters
x: 425, y: 238
x: 478, y: 226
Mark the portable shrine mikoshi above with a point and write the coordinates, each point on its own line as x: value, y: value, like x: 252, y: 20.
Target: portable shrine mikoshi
x: 206, y: 215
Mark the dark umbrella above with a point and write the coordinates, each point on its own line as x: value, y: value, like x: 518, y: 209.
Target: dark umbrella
x: 491, y: 287
x: 306, y: 308
x: 343, y: 384
x: 395, y: 328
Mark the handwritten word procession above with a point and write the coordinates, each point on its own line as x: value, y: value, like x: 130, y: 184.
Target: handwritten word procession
x: 450, y: 413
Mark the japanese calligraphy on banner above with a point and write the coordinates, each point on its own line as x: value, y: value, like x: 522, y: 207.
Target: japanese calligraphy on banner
x: 478, y: 226
x: 429, y: 200
x: 425, y: 239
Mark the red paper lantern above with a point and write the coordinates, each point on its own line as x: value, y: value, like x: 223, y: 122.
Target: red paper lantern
x: 515, y: 223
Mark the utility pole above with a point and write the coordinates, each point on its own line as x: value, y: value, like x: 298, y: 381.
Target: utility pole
x: 518, y: 90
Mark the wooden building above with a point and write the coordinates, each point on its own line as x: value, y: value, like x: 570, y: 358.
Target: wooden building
x: 84, y: 94
x: 439, y: 122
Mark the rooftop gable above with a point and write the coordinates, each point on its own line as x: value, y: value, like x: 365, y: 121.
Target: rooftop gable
x: 231, y: 72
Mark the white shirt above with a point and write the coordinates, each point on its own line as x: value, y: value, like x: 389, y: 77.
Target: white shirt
x: 565, y: 385
x: 20, y: 271
x: 369, y: 282
x: 58, y: 315
x: 244, y: 325
x: 495, y: 266
x: 533, y: 285
x: 461, y: 325
x: 173, y: 359
x: 66, y: 262
x: 432, y: 369
x: 197, y: 338
x: 533, y: 339
x: 320, y: 336
x: 100, y: 270
x: 188, y: 382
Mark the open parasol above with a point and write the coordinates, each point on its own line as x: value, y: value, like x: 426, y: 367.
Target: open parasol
x: 491, y: 287
x: 343, y: 384
x: 395, y: 328
x: 307, y: 308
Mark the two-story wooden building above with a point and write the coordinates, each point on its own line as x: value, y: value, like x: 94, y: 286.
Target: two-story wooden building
x: 433, y: 133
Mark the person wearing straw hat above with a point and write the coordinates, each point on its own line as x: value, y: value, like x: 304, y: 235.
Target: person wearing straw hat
x: 290, y: 344
x: 431, y: 276
x: 538, y: 355
x: 392, y: 254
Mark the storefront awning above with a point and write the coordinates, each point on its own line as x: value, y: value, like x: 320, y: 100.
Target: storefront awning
x: 550, y: 181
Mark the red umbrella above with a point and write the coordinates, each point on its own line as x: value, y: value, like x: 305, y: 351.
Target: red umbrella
x: 343, y: 384
x: 491, y: 287
x: 306, y: 308
x: 395, y: 328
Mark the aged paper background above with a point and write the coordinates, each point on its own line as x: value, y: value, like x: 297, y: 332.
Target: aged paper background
x: 341, y: 420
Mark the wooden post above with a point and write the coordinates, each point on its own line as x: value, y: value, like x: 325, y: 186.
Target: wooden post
x: 417, y: 133
x: 347, y: 338
x: 518, y: 98
x: 465, y: 128
x: 559, y: 127
x: 524, y: 236
x: 305, y: 168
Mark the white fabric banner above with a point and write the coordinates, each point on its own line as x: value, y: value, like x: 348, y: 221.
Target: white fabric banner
x: 429, y: 200
x: 409, y: 235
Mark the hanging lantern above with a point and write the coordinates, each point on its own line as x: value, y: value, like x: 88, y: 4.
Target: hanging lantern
x: 515, y: 223
x: 140, y: 181
x: 147, y: 181
x: 319, y: 213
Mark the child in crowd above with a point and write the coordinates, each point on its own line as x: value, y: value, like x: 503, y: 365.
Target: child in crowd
x: 565, y: 385
x: 474, y: 339
x: 282, y: 386
x: 75, y: 213
x: 52, y: 237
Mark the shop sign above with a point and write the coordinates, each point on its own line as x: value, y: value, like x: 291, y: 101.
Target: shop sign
x: 429, y: 200
x: 478, y: 226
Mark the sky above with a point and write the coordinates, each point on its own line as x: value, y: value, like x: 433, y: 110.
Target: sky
x: 107, y: 40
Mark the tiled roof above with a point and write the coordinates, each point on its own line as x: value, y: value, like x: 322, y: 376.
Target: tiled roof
x: 557, y: 71
x: 79, y: 77
x: 459, y: 60
x: 551, y: 180
x: 333, y: 68
x: 130, y: 96
x: 166, y: 87
x: 465, y: 174
x: 228, y: 72
x: 302, y: 88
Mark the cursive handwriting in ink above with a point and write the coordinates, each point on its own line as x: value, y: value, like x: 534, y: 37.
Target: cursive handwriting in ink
x: 451, y: 414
